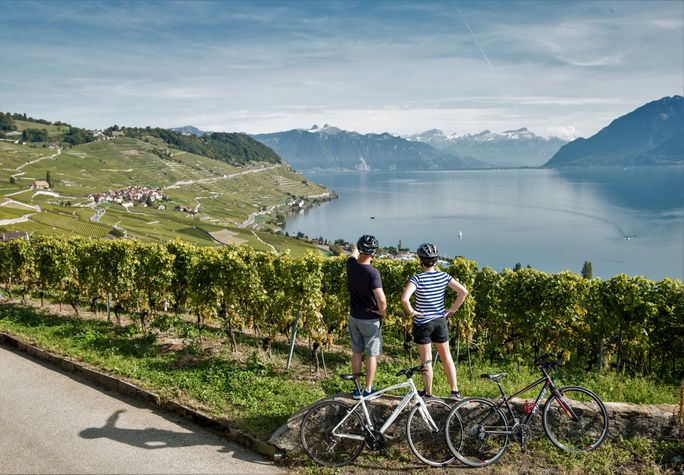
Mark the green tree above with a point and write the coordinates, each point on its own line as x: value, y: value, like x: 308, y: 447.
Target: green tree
x: 586, y: 270
x: 77, y: 136
x: 48, y: 178
x: 7, y: 122
x: 35, y: 135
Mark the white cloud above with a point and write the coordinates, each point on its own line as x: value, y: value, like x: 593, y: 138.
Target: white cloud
x: 612, y: 60
x: 403, y: 68
x: 567, y: 132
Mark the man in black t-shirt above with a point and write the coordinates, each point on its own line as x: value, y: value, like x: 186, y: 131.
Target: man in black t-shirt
x: 368, y: 306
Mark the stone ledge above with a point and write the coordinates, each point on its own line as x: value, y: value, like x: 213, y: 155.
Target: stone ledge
x: 120, y: 386
x: 655, y: 421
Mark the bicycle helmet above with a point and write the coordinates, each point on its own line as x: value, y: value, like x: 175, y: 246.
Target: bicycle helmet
x: 428, y: 253
x: 367, y: 244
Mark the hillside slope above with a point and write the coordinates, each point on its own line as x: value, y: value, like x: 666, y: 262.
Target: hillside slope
x: 211, y: 195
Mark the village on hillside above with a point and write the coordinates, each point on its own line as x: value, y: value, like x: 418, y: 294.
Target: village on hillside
x: 130, y: 196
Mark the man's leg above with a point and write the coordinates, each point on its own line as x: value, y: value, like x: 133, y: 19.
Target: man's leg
x: 356, y: 362
x: 425, y: 352
x: 371, y: 366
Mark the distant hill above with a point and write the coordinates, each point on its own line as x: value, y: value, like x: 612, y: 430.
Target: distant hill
x: 511, y: 148
x: 234, y: 148
x: 190, y: 130
x: 653, y: 134
x: 331, y: 148
x: 27, y: 129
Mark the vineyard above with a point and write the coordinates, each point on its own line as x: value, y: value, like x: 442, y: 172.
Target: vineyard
x: 625, y: 323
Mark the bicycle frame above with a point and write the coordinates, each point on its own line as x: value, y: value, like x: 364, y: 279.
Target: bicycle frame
x: 548, y: 384
x: 412, y: 394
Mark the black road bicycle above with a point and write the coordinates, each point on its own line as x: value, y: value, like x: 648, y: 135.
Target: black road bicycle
x: 333, y: 433
x: 478, y: 429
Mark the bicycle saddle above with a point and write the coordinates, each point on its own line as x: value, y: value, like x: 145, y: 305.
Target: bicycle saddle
x: 494, y: 377
x: 352, y: 376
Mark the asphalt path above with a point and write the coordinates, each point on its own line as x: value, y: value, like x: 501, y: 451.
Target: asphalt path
x: 52, y: 422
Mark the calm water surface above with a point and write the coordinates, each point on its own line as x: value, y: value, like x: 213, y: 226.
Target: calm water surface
x: 622, y: 220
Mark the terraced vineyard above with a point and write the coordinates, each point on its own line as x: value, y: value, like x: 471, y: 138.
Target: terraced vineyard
x: 238, y: 200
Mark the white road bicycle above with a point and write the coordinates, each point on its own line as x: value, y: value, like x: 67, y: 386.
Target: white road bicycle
x: 334, y: 433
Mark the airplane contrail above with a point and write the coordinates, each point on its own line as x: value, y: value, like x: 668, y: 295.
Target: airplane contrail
x: 474, y: 37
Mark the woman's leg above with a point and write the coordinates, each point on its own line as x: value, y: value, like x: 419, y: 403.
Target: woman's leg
x: 425, y: 352
x: 448, y: 364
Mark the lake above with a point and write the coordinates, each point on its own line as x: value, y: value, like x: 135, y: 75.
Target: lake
x: 622, y: 220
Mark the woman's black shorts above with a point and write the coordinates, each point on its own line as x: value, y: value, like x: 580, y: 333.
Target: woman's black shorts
x: 434, y: 331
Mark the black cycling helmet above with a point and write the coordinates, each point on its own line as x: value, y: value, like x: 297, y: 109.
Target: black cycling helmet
x: 428, y: 253
x: 367, y: 244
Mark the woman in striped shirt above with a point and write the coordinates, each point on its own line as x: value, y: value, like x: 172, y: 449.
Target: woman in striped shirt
x: 429, y: 315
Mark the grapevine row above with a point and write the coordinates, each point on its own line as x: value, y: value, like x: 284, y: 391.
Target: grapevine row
x: 624, y: 321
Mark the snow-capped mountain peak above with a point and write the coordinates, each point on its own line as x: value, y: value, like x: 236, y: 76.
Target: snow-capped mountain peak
x: 326, y: 129
x: 515, y: 147
x: 522, y: 133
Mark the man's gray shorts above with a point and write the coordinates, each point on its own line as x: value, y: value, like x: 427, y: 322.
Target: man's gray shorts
x: 366, y: 336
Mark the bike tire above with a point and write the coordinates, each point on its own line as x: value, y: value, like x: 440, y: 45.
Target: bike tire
x: 429, y: 446
x: 318, y: 441
x: 587, y: 431
x: 477, y: 432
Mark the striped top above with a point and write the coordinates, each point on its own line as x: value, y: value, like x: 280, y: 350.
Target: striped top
x: 430, y: 287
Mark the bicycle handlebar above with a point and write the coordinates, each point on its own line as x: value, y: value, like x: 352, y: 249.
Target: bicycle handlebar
x: 543, y: 363
x: 409, y: 372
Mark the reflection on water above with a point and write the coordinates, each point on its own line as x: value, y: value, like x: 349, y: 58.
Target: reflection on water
x: 640, y: 188
x: 629, y: 221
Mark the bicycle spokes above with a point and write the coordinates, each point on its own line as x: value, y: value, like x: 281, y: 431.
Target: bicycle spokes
x: 575, y: 419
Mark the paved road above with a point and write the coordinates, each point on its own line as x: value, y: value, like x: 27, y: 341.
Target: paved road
x: 51, y: 423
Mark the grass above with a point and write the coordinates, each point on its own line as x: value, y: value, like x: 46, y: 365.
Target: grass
x: 253, y: 390
x: 54, y: 131
x: 86, y: 169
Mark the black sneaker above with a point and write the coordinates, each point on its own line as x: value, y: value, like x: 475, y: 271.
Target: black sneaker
x: 423, y: 395
x: 456, y: 395
x: 356, y: 394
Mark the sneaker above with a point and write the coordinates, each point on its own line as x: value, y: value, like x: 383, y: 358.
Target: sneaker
x: 372, y: 393
x: 456, y: 395
x: 356, y: 394
x: 423, y: 395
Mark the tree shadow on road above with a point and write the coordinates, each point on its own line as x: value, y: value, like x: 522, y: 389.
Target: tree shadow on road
x: 154, y: 438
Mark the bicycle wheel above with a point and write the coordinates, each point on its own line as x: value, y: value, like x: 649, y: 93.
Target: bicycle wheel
x: 428, y: 445
x: 477, y: 432
x: 575, y: 419
x: 318, y: 440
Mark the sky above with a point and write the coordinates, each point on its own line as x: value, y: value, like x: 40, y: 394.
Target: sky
x: 559, y: 68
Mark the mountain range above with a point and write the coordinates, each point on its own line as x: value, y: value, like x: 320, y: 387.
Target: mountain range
x: 511, y: 148
x: 331, y: 148
x: 653, y: 134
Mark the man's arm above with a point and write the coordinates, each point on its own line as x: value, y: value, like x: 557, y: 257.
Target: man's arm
x: 381, y: 300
